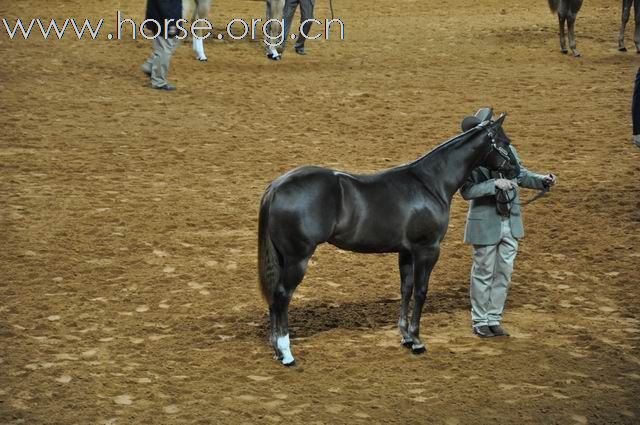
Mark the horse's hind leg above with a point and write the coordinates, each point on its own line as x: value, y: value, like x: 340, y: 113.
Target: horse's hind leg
x: 406, y: 289
x: 626, y: 12
x: 571, y: 22
x: 563, y: 42
x: 423, y: 263
x: 292, y: 273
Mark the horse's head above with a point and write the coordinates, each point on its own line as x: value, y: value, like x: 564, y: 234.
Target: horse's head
x: 500, y: 156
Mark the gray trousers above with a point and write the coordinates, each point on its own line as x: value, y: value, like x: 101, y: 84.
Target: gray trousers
x: 157, y: 65
x: 490, y: 277
x: 306, y: 12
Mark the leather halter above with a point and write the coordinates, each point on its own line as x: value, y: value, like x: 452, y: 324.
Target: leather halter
x: 493, y: 135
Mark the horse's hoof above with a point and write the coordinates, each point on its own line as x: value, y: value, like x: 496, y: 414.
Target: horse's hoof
x: 290, y: 364
x: 406, y: 343
x: 622, y: 49
x: 421, y: 349
x: 564, y: 51
x: 203, y: 59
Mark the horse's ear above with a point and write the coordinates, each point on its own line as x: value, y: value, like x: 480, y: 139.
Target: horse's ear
x: 500, y: 120
x: 469, y: 122
x: 484, y: 114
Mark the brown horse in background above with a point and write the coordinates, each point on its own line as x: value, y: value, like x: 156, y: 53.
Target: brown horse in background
x: 567, y: 11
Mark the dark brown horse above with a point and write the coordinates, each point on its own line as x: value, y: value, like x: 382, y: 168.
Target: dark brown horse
x: 567, y: 11
x: 404, y: 209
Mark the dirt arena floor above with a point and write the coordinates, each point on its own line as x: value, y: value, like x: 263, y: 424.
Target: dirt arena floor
x: 128, y: 217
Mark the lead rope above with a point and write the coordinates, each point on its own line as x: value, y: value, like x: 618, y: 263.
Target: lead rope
x: 538, y: 195
x: 331, y: 7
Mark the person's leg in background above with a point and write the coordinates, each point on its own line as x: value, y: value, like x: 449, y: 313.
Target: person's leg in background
x: 146, y: 66
x: 163, y: 51
x: 635, y: 110
x: 306, y: 13
x: 290, y: 7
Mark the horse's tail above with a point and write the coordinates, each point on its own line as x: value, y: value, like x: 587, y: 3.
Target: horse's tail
x: 553, y: 5
x: 268, y: 259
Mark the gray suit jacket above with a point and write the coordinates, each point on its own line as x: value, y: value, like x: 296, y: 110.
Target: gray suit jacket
x: 483, y: 220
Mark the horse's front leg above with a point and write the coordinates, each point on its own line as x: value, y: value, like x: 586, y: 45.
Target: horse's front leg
x: 406, y: 289
x: 423, y: 262
x: 626, y: 12
x: 636, y: 34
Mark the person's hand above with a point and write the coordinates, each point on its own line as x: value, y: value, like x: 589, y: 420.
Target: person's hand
x: 504, y: 184
x: 549, y: 180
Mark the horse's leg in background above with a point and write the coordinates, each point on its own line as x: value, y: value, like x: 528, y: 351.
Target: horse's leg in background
x: 292, y: 273
x: 189, y: 13
x: 636, y: 34
x: 563, y: 42
x: 406, y: 289
x: 201, y: 10
x: 626, y: 12
x: 424, y: 260
x: 571, y: 22
x: 275, y: 10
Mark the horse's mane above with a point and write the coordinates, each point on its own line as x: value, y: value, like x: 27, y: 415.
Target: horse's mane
x: 441, y: 147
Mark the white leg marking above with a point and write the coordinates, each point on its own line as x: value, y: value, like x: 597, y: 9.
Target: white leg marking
x: 198, y: 47
x: 283, y: 346
x: 273, y: 52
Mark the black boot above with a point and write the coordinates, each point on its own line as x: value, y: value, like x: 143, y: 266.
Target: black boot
x: 483, y: 331
x: 498, y: 330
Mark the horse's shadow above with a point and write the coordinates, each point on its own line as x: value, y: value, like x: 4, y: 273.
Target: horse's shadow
x: 311, y: 318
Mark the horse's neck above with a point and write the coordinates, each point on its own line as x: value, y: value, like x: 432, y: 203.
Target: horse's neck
x: 446, y: 169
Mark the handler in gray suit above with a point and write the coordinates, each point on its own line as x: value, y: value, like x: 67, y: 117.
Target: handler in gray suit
x: 494, y: 230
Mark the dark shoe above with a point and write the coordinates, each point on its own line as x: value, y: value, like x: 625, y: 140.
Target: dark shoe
x: 300, y: 51
x: 167, y: 87
x: 498, y: 330
x: 146, y: 71
x: 483, y: 331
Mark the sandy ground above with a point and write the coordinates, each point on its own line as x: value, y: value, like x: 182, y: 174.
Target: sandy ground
x: 128, y: 223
